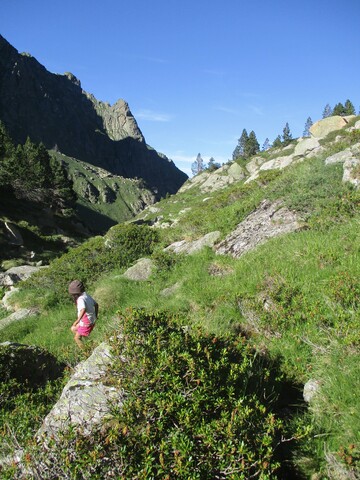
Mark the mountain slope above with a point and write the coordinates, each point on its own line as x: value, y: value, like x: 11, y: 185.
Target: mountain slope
x: 293, y: 296
x: 54, y: 109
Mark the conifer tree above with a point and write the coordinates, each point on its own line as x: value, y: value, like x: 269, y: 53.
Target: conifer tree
x: 308, y: 124
x: 198, y: 165
x: 212, y: 165
x: 242, y: 141
x: 266, y: 145
x: 7, y: 152
x: 251, y: 146
x: 339, y: 109
x: 63, y: 196
x: 277, y: 143
x: 349, y: 108
x: 327, y: 112
x: 240, y: 148
x: 287, y: 136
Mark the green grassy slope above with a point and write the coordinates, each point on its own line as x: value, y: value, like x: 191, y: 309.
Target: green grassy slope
x: 309, y: 279
x: 104, y: 199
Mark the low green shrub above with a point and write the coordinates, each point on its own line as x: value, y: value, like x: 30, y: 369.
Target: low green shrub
x: 122, y: 245
x: 22, y: 410
x: 196, y: 406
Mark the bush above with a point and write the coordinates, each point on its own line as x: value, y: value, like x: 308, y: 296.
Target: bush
x: 196, y: 406
x: 122, y: 245
x: 128, y: 243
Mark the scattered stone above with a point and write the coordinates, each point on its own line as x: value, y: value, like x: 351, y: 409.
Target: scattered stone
x: 183, y: 246
x: 141, y: 271
x: 167, y: 292
x: 5, y: 299
x: 216, y: 270
x: 267, y: 221
x: 306, y: 145
x: 350, y: 158
x: 17, y: 274
x: 85, y: 400
x: 311, y: 388
x: 277, y: 163
x: 17, y: 316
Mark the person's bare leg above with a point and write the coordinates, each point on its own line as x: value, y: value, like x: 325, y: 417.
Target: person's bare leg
x: 78, y: 341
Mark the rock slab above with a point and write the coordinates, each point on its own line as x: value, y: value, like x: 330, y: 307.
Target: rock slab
x: 188, y: 248
x: 85, y: 400
x: 267, y: 221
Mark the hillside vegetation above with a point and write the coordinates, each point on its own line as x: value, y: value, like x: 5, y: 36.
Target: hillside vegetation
x: 218, y: 347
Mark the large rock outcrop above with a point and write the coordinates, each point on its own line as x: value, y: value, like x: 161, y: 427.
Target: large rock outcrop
x: 323, y: 127
x: 267, y: 221
x: 350, y: 158
x: 54, y: 109
x: 85, y: 400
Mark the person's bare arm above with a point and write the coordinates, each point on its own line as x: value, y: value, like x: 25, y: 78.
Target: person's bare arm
x: 81, y: 314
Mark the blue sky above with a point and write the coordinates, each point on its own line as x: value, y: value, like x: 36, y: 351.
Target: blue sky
x: 196, y: 72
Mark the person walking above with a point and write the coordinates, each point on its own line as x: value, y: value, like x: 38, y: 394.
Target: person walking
x: 87, y: 312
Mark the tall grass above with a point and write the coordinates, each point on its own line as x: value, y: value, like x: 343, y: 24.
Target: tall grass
x: 295, y: 298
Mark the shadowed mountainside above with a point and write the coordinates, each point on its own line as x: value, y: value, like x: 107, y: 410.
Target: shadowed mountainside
x: 53, y: 109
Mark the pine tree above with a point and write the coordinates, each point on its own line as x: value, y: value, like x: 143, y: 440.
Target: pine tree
x: 327, y: 112
x: 349, y: 108
x: 277, y: 143
x: 212, y: 165
x: 7, y: 153
x: 240, y: 148
x: 308, y: 124
x: 251, y: 146
x: 339, y: 109
x: 63, y: 196
x: 266, y: 145
x: 242, y: 141
x: 286, y: 137
x: 198, y: 165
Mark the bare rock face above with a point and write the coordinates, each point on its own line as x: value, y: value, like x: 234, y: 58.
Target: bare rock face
x: 307, y: 145
x: 350, y: 158
x: 323, y: 127
x: 141, y: 271
x: 19, y: 315
x: 119, y: 121
x: 269, y: 220
x: 77, y: 123
x: 17, y: 274
x: 277, y: 163
x: 217, y: 180
x: 12, y: 235
x: 188, y: 248
x: 84, y: 402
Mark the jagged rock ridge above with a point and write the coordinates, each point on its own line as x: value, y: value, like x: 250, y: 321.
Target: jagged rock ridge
x: 53, y: 109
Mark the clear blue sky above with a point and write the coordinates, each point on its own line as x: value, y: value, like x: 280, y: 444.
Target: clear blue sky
x: 196, y: 72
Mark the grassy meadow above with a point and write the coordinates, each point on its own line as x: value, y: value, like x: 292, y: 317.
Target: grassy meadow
x: 310, y: 329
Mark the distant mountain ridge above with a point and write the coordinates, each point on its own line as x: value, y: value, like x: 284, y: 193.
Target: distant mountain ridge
x: 53, y: 109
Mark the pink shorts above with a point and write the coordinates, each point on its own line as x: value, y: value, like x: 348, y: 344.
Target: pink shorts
x: 85, y: 330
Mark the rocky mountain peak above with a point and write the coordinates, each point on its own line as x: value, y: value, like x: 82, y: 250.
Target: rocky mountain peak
x: 53, y: 109
x: 72, y: 79
x: 118, y: 120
